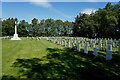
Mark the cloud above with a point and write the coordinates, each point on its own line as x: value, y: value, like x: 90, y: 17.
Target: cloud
x: 46, y: 4
x: 88, y: 11
x: 43, y: 3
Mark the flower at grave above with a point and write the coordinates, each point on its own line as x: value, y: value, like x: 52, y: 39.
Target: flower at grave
x: 87, y: 41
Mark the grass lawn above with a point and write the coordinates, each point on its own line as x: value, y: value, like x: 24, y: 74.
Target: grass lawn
x: 24, y: 49
x: 44, y: 60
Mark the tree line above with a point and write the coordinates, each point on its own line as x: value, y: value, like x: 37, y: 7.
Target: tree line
x: 103, y: 23
x: 48, y: 27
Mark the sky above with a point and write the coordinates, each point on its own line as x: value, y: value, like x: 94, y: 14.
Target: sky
x: 44, y: 10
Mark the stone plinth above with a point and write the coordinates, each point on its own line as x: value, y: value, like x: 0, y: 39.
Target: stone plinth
x: 15, y: 37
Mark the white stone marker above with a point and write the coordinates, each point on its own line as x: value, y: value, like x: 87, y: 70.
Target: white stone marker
x: 90, y: 41
x: 15, y: 37
x: 86, y: 49
x: 113, y: 45
x: 95, y: 52
x: 54, y: 40
x: 75, y: 41
x: 72, y: 44
x: 82, y: 43
x: 47, y: 38
x: 114, y: 40
x: 62, y: 42
x: 87, y: 43
x: 65, y: 43
x: 69, y: 43
x: 108, y: 55
x: 59, y: 42
x: 109, y: 47
x: 117, y: 43
x: 93, y: 45
x: 105, y: 42
x: 78, y: 47
x: 110, y: 41
x: 100, y: 46
x: 32, y: 37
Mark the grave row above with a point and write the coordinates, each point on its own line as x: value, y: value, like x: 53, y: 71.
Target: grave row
x: 5, y: 37
x: 108, y: 45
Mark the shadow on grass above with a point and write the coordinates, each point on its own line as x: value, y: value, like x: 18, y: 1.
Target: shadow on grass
x: 68, y: 65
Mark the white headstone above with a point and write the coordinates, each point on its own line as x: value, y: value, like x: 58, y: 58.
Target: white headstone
x: 72, y: 44
x: 62, y: 42
x: 105, y: 42
x: 75, y: 41
x: 78, y: 47
x: 65, y: 43
x: 117, y: 42
x: 109, y: 47
x: 90, y: 41
x: 95, y: 52
x: 100, y: 46
x: 87, y: 43
x: 59, y: 42
x: 82, y: 43
x: 69, y: 43
x: 95, y: 41
x: 108, y: 55
x: 32, y: 37
x: 47, y: 38
x: 110, y: 41
x: 54, y: 40
x: 86, y: 49
x: 93, y: 45
x: 114, y: 40
x: 113, y: 45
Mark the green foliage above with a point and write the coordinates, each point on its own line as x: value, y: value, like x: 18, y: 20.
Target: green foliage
x: 48, y: 27
x: 102, y: 23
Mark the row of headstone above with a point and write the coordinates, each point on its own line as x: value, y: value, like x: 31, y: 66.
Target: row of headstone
x: 93, y: 42
x: 5, y: 37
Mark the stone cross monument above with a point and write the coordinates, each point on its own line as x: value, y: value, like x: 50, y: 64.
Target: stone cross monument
x: 15, y: 37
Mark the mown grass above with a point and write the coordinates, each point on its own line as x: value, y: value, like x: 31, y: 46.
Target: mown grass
x: 26, y: 48
x: 31, y: 59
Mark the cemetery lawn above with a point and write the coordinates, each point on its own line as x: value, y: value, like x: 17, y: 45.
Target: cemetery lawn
x: 24, y: 49
x: 45, y: 60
